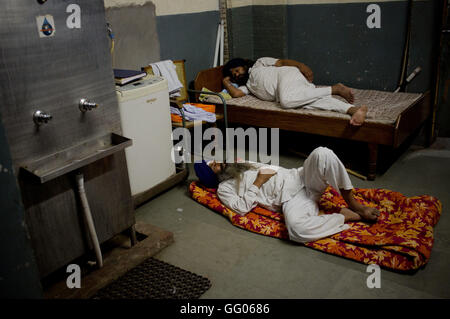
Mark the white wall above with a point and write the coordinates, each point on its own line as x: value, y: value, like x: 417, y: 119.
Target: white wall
x: 243, y: 3
x: 170, y: 7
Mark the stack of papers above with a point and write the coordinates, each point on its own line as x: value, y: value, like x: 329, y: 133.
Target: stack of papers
x: 123, y: 77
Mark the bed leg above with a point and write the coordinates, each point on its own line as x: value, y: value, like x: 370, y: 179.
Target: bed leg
x: 430, y: 136
x: 373, y: 154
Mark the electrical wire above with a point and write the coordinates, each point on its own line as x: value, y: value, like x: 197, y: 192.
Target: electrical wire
x: 111, y: 36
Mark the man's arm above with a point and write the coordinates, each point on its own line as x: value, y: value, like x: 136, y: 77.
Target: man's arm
x: 264, y: 175
x: 306, y: 71
x: 228, y: 195
x: 234, y: 92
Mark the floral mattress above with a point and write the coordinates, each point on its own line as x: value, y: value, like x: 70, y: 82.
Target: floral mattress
x: 401, y: 239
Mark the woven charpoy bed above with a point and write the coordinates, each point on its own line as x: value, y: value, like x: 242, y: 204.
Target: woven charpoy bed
x: 391, y: 119
x: 401, y: 239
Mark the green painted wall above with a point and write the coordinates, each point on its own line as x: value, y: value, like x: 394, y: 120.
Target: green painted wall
x: 334, y: 40
x: 191, y: 37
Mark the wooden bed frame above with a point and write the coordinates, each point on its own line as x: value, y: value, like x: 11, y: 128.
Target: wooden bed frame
x: 374, y: 134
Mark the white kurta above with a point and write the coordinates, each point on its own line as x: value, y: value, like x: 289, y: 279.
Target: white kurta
x: 295, y: 193
x: 288, y: 86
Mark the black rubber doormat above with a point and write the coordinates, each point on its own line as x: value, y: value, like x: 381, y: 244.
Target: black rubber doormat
x: 155, y: 279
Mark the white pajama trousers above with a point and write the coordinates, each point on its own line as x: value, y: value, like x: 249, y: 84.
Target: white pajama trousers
x: 301, y: 213
x: 294, y: 91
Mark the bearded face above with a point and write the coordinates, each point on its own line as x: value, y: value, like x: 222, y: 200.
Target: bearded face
x: 241, y: 79
x: 234, y: 171
x: 239, y: 75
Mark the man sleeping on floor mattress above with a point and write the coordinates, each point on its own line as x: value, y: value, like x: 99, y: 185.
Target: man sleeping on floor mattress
x: 292, y: 199
x: 294, y: 192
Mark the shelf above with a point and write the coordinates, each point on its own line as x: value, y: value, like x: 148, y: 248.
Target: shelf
x: 58, y: 164
x: 190, y: 124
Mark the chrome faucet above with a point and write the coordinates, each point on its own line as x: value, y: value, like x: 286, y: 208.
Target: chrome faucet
x: 86, y: 105
x: 41, y: 117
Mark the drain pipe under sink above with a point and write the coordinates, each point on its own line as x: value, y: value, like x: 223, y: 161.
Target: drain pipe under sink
x: 89, y: 220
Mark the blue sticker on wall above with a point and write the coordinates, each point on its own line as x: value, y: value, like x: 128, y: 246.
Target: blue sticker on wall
x: 46, y: 26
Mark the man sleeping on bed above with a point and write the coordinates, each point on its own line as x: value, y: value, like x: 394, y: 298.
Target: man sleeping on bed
x: 290, y: 83
x: 294, y: 192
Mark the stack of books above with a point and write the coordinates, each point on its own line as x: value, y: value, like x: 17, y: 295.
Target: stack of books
x: 123, y: 77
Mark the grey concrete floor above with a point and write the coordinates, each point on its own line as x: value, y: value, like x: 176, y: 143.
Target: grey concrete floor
x: 241, y: 264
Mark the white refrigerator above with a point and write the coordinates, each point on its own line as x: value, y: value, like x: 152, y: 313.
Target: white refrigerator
x: 145, y: 118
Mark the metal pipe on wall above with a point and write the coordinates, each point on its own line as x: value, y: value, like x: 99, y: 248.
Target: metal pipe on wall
x: 216, y: 52
x: 221, y: 41
x: 405, y: 57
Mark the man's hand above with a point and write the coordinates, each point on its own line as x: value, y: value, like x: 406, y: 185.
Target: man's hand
x: 226, y: 80
x: 304, y: 69
x: 263, y: 176
x: 234, y: 92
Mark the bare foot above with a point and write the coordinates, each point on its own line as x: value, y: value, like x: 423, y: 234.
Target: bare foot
x: 350, y: 216
x: 365, y: 212
x: 370, y: 214
x: 343, y: 91
x: 359, y: 116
